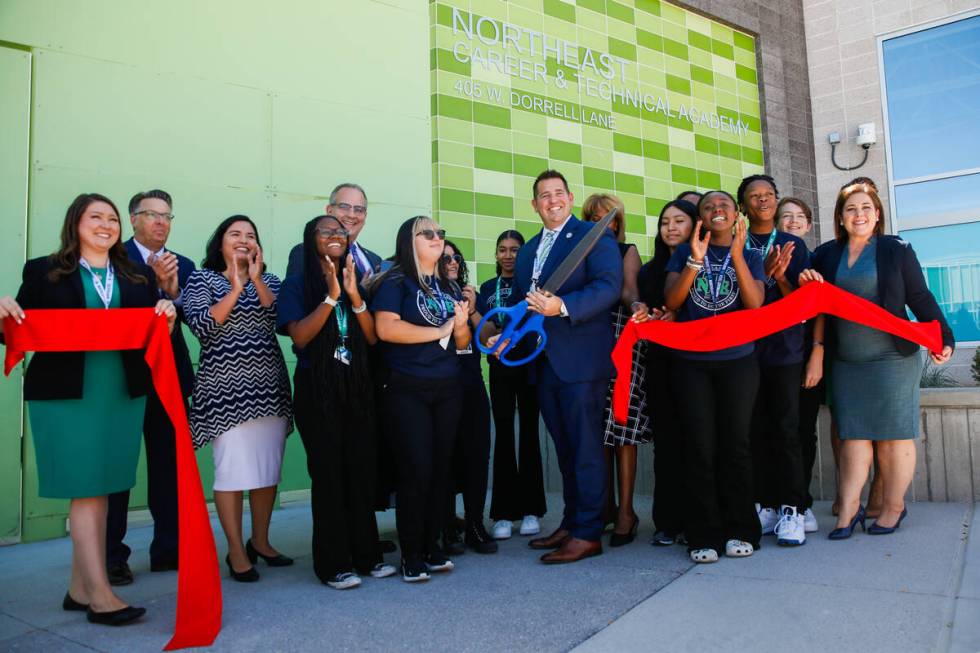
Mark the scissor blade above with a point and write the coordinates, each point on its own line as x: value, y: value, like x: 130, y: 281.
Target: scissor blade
x: 578, y: 254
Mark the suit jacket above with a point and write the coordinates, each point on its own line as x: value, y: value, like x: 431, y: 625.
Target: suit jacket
x: 295, y: 264
x: 182, y: 357
x: 59, y: 375
x: 900, y: 284
x: 579, y: 346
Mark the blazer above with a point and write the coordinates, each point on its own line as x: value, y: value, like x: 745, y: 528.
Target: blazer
x: 295, y: 264
x: 579, y: 346
x: 59, y: 375
x: 182, y: 356
x: 900, y: 284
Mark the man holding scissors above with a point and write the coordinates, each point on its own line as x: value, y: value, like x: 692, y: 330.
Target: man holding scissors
x: 573, y: 371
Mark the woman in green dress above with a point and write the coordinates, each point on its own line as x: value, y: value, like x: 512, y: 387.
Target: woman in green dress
x: 86, y: 408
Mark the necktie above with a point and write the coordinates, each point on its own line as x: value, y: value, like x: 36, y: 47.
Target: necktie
x: 546, y: 242
x: 360, y: 258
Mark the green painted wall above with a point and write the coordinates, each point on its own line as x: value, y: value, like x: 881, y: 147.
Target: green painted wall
x: 255, y: 108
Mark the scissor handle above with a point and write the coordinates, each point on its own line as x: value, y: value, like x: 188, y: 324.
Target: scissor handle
x: 514, y: 331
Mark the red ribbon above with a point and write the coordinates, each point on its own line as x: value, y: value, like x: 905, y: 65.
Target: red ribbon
x: 740, y: 327
x: 198, y: 580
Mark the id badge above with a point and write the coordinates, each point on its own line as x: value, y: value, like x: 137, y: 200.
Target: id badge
x: 342, y: 354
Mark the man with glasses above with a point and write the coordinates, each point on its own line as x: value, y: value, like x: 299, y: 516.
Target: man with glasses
x: 151, y: 215
x: 348, y: 203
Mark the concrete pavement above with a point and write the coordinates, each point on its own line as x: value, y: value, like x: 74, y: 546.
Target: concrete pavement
x: 917, y: 590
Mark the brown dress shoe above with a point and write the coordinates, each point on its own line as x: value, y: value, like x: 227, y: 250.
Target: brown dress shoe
x: 552, y: 541
x: 573, y: 550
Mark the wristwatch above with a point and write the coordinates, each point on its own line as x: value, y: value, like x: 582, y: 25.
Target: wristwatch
x: 329, y: 301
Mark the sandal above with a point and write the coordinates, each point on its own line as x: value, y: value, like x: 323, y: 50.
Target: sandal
x: 703, y: 556
x: 738, y: 549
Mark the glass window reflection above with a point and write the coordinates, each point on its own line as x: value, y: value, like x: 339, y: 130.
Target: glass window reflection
x: 933, y: 203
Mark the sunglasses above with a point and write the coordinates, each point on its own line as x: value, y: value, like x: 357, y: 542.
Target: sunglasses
x: 447, y: 259
x: 432, y: 234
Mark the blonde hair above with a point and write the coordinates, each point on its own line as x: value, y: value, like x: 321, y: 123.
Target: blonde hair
x: 601, y: 204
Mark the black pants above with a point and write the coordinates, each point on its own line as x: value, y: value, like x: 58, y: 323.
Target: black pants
x: 161, y: 478
x: 471, y: 460
x: 422, y: 416
x: 810, y: 401
x: 716, y: 411
x: 776, y: 458
x: 518, y: 482
x: 341, y: 461
x: 668, y: 443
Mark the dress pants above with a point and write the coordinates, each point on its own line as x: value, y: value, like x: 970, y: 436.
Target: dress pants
x: 161, y: 478
x: 575, y: 416
x: 422, y: 416
x: 776, y: 457
x: 341, y: 462
x: 668, y: 443
x: 716, y: 411
x: 472, y: 448
x: 518, y: 481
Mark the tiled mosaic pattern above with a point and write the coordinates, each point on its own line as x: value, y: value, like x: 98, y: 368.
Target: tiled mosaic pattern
x: 486, y: 151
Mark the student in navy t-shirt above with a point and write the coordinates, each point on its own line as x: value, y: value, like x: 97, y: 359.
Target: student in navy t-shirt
x: 518, y: 480
x: 421, y: 320
x: 712, y: 275
x: 777, y: 462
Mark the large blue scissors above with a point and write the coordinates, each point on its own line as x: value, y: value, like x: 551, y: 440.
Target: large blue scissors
x: 519, y: 322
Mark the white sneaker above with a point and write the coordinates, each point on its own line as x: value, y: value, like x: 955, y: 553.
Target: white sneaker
x: 738, y: 549
x: 789, y: 530
x: 502, y: 530
x: 344, y: 580
x: 383, y: 570
x: 768, y: 517
x: 704, y: 556
x: 810, y: 521
x: 529, y: 526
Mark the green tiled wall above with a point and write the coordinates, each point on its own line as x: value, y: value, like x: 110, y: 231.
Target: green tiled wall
x: 487, y: 149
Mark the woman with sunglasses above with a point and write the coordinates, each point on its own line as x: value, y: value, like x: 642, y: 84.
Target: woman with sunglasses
x: 323, y: 311
x: 471, y: 461
x: 421, y: 321
x: 518, y: 480
x: 714, y: 274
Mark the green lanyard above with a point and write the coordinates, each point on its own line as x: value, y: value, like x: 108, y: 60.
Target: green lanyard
x: 765, y: 250
x: 342, y: 353
x: 499, y: 318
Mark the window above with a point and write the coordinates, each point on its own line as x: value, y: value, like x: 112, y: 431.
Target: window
x: 932, y: 92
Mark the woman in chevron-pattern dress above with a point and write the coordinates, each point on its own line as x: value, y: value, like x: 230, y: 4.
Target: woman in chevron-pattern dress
x: 241, y: 399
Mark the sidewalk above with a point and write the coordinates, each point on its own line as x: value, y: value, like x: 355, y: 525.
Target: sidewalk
x: 918, y: 590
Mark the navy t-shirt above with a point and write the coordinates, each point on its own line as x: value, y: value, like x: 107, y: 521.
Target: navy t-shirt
x: 405, y: 297
x: 486, y: 300
x: 783, y: 347
x: 700, y: 302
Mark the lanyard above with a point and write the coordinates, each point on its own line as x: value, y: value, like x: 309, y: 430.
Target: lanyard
x: 341, y: 314
x: 765, y: 250
x: 104, y: 291
x: 711, y: 275
x: 499, y: 317
x: 440, y: 297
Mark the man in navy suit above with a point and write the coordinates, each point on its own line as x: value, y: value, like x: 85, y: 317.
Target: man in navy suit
x: 574, y: 369
x: 348, y: 203
x: 151, y: 214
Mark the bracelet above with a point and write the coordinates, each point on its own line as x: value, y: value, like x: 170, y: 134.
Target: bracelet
x: 694, y: 266
x: 360, y: 309
x: 818, y: 343
x: 329, y: 301
x: 691, y: 259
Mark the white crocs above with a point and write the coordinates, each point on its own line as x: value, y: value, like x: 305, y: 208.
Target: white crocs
x: 738, y: 549
x: 703, y: 556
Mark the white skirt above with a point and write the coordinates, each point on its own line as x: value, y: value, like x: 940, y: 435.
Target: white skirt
x: 249, y: 456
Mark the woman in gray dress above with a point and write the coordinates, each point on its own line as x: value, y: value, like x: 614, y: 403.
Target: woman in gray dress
x: 875, y: 376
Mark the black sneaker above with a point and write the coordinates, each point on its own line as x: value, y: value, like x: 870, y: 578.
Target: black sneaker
x: 414, y: 570
x: 452, y: 543
x: 438, y: 562
x: 663, y: 538
x: 119, y: 573
x: 478, y: 539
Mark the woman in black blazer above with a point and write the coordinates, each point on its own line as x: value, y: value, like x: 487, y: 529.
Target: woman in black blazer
x: 875, y: 376
x: 86, y: 408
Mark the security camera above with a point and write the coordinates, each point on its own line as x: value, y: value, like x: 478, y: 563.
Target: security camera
x: 866, y: 136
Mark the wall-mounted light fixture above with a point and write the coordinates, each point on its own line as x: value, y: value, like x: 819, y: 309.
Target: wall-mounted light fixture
x: 866, y: 137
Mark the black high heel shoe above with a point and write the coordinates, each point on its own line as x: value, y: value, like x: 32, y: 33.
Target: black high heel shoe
x: 846, y: 531
x: 273, y: 561
x: 622, y: 539
x: 875, y: 529
x: 250, y: 575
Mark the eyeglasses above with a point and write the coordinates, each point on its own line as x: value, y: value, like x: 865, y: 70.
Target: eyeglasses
x: 432, y: 234
x: 153, y: 215
x: 356, y: 209
x: 332, y: 233
x: 447, y: 259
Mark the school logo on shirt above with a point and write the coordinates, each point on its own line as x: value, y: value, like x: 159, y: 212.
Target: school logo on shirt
x: 505, y: 292
x: 725, y: 288
x: 430, y: 310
